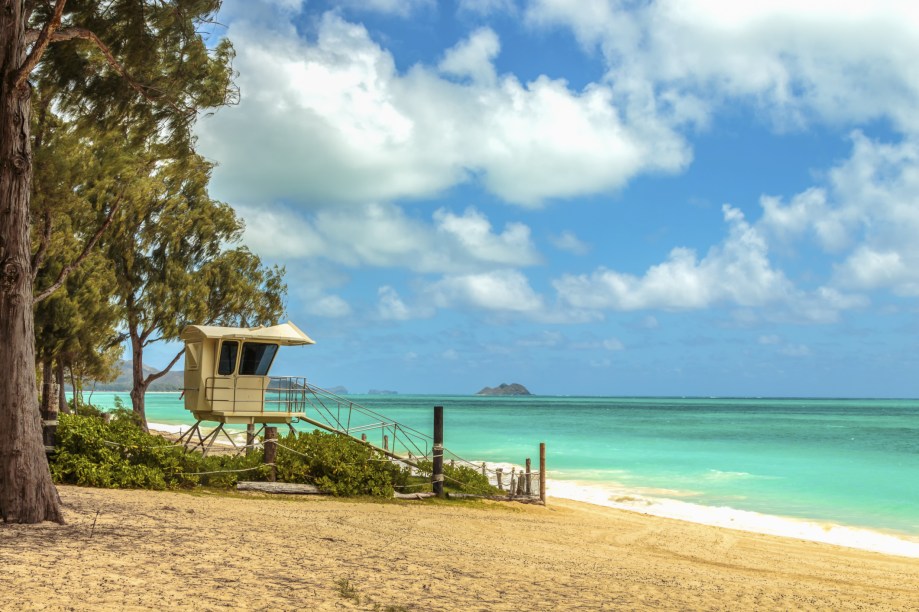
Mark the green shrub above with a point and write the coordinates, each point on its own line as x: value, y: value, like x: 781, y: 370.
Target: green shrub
x: 119, y: 454
x: 337, y: 464
x: 462, y: 479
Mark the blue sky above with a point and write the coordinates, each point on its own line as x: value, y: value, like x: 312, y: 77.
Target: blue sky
x: 592, y: 197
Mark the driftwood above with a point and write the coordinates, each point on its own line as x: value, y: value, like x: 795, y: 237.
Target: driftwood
x: 424, y: 495
x: 521, y: 499
x: 279, y: 487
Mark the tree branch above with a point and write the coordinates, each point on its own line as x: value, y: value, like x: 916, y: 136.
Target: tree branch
x: 41, y: 43
x: 65, y: 272
x: 86, y: 34
x: 157, y: 375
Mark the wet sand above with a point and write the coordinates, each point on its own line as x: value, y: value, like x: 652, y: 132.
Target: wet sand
x: 141, y: 550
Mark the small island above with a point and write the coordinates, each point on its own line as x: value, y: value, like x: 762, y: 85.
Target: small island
x: 505, y: 389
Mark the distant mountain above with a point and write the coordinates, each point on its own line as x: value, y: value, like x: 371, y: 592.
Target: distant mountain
x: 172, y: 381
x: 381, y: 392
x: 339, y: 390
x: 505, y: 389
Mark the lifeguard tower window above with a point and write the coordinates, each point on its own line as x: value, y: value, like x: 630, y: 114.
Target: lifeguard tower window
x: 257, y: 358
x: 228, y: 352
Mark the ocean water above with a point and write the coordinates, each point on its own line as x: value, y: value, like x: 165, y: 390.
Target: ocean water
x: 844, y: 471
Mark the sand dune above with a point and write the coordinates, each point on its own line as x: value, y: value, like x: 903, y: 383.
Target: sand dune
x: 149, y: 550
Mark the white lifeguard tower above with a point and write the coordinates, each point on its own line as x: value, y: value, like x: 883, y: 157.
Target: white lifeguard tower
x: 227, y: 381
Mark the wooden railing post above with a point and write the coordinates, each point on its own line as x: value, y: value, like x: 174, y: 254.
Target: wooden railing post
x: 250, y: 438
x: 529, y: 488
x: 542, y: 472
x: 438, y: 475
x: 499, y: 473
x: 271, y: 451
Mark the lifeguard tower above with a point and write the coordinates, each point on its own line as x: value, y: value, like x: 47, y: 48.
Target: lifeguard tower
x: 227, y: 381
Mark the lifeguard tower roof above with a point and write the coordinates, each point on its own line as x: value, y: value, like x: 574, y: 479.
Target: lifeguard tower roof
x: 286, y: 334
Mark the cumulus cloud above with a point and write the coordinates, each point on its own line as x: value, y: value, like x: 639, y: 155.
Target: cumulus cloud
x: 867, y: 215
x: 401, y: 8
x: 473, y: 57
x: 825, y: 59
x: 568, y: 241
x: 736, y: 272
x: 331, y: 119
x: 487, y: 7
x: 501, y: 291
x: 382, y: 235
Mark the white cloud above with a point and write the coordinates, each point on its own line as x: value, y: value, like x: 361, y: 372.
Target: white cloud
x: 613, y: 344
x: 382, y: 235
x: 501, y: 291
x: 473, y: 57
x: 769, y: 339
x: 568, y: 241
x: 795, y: 350
x: 391, y: 307
x: 487, y: 7
x: 736, y: 272
x: 868, y: 215
x: 332, y: 119
x: 401, y: 8
x: 331, y: 306
x: 828, y: 59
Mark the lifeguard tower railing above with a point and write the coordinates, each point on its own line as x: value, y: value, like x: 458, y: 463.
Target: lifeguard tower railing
x: 307, y: 403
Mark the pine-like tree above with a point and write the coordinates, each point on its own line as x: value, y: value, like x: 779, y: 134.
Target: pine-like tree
x: 142, y: 63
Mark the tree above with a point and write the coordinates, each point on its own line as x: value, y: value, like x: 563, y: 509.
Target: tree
x: 168, y: 247
x: 119, y: 81
x: 75, y: 324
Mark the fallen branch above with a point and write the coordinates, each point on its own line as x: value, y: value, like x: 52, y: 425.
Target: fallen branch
x: 287, y: 488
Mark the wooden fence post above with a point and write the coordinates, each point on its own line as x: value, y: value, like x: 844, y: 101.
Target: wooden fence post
x: 438, y: 475
x: 483, y: 470
x: 542, y: 472
x: 529, y: 488
x: 271, y: 451
x: 500, y: 472
x: 250, y: 438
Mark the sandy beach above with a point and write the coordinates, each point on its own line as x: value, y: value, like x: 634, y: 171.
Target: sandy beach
x: 136, y: 550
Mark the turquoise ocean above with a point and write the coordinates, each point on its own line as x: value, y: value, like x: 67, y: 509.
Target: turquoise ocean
x: 844, y: 471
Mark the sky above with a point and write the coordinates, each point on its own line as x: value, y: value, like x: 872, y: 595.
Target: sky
x: 587, y: 197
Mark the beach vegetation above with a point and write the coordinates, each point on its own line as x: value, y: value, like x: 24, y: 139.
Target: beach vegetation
x: 337, y: 465
x: 117, y: 453
x: 463, y: 479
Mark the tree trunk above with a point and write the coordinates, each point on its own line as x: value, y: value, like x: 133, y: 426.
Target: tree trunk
x: 27, y: 494
x: 139, y: 381
x: 63, y: 408
x: 48, y: 396
x: 75, y: 394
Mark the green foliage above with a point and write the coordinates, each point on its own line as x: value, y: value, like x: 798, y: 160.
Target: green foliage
x: 462, y: 479
x: 337, y: 465
x: 119, y: 454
